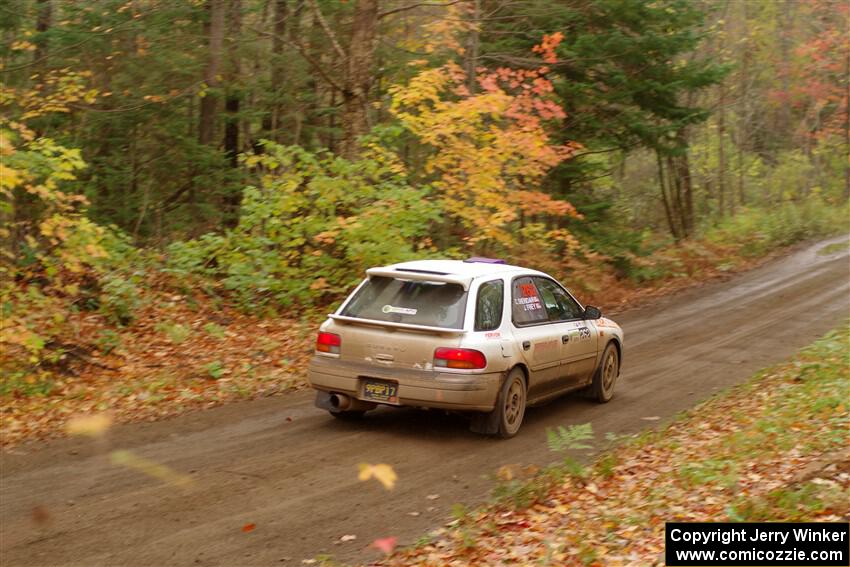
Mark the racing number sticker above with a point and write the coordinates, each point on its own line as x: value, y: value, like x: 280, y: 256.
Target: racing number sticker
x: 528, y: 300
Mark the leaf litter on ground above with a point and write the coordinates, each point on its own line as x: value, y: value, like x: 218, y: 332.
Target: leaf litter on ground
x: 772, y: 449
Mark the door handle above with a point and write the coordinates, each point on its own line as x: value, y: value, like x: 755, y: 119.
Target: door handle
x: 526, y: 345
x: 565, y: 339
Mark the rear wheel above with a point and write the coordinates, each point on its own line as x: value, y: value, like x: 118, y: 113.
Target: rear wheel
x: 511, y: 404
x: 605, y: 376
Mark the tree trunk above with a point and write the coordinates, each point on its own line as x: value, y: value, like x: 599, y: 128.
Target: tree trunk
x: 683, y: 174
x: 358, y: 80
x: 232, y: 105
x: 472, y: 46
x: 234, y: 72
x: 42, y: 25
x: 209, y: 103
x: 847, y: 126
x: 272, y: 122
x: 721, y: 154
x: 785, y: 130
x: 743, y: 117
x: 671, y: 223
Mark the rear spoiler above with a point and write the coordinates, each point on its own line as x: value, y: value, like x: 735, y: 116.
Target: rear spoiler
x: 462, y: 281
x: 408, y: 326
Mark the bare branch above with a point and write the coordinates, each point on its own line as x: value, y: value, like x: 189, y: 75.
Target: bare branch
x: 307, y: 57
x: 324, y: 23
x: 418, y: 5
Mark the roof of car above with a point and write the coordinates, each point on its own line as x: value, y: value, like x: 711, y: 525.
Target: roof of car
x: 456, y: 267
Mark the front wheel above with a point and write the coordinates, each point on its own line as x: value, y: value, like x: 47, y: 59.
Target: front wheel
x: 606, y: 375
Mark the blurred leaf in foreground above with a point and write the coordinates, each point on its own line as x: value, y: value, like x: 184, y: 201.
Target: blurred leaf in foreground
x: 381, y: 472
x: 150, y: 468
x: 89, y: 425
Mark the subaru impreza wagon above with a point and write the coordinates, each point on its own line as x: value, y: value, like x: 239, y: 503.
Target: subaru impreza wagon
x: 476, y: 336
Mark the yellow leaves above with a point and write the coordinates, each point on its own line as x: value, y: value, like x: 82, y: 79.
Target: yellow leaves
x: 381, y: 472
x: 488, y: 147
x: 55, y: 91
x: 9, y: 178
x: 23, y: 45
x: 89, y: 425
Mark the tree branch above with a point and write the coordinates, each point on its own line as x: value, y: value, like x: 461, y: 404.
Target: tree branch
x: 327, y: 28
x: 303, y: 52
x: 417, y: 5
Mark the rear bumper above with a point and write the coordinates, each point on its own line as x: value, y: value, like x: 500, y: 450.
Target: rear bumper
x: 421, y: 388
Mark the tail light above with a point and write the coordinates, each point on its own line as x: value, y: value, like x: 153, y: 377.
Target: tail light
x: 459, y: 358
x: 328, y: 342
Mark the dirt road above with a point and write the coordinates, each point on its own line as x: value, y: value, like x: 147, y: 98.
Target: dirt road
x: 291, y: 469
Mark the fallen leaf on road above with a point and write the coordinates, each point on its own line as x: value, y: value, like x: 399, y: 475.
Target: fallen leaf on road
x: 248, y: 528
x: 40, y: 515
x: 348, y: 537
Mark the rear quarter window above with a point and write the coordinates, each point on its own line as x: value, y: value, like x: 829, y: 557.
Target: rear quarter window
x: 488, y: 305
x: 433, y: 304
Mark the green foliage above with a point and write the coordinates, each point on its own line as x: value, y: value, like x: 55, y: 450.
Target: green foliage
x: 758, y: 231
x: 108, y: 341
x: 569, y: 438
x: 175, y: 332
x: 215, y: 369
x: 119, y: 298
x: 215, y: 331
x: 310, y: 228
x: 25, y: 384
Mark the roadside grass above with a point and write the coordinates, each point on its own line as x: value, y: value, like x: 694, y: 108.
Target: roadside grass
x: 772, y: 449
x: 834, y: 247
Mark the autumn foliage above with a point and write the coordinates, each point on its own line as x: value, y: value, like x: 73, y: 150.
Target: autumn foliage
x: 488, y: 143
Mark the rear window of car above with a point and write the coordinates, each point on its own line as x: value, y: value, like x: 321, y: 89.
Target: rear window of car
x: 433, y: 304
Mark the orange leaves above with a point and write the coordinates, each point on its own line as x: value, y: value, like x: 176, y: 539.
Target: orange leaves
x: 487, y: 148
x: 546, y: 48
x: 248, y: 528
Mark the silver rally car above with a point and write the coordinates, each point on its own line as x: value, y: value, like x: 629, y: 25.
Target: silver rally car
x: 476, y: 335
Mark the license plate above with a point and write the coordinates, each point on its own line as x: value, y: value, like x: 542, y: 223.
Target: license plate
x: 380, y: 391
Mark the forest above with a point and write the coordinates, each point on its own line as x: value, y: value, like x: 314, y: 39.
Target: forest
x: 254, y: 157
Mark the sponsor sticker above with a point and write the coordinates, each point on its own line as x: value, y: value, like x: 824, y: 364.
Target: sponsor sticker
x: 399, y: 310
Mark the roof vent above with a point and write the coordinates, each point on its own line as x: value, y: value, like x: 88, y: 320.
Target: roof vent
x: 482, y: 260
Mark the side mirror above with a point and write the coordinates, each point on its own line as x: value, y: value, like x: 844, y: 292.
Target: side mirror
x: 591, y: 312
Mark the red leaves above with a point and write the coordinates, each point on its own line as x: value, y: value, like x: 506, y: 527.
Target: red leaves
x: 248, y: 528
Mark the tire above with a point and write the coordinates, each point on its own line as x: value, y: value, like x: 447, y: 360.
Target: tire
x: 350, y: 415
x: 511, y: 404
x: 605, y: 377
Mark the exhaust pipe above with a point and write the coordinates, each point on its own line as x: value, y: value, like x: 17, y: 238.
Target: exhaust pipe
x: 340, y: 401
